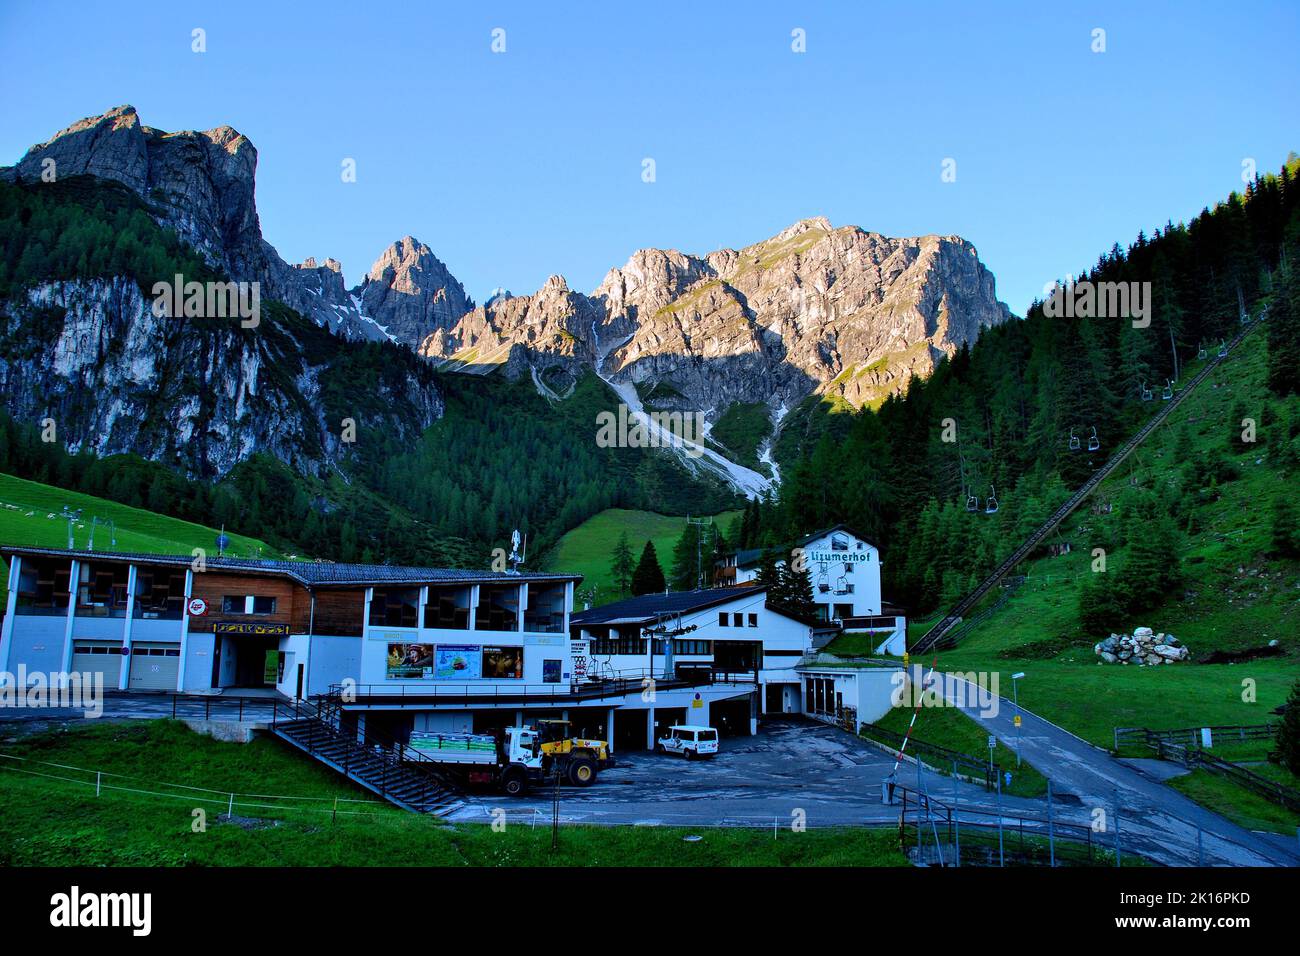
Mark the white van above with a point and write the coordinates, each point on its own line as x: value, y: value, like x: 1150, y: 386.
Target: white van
x: 691, y: 740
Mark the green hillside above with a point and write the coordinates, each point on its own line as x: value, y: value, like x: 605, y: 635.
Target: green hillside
x: 32, y: 514
x: 588, y: 548
x: 1235, y: 591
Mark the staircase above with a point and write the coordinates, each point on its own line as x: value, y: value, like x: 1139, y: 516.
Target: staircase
x: 391, y: 770
x: 944, y: 633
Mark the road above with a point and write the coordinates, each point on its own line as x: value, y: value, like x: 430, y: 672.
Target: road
x: 1156, y: 819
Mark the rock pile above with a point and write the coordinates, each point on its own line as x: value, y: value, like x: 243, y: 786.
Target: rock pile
x: 1142, y: 648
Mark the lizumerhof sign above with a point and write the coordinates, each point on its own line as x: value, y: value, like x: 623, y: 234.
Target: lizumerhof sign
x: 831, y: 557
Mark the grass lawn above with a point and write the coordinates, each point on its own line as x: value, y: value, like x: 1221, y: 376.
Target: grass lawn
x: 1243, y: 807
x: 949, y: 727
x: 58, y: 822
x: 589, y: 548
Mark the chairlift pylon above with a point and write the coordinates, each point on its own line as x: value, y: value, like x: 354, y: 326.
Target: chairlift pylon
x: 1094, y: 442
x: 991, y: 506
x: 1074, y: 441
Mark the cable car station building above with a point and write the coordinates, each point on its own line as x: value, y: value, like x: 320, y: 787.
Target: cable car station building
x: 422, y: 649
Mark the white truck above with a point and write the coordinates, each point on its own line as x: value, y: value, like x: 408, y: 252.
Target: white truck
x: 513, y: 762
x: 519, y: 758
x: 691, y: 740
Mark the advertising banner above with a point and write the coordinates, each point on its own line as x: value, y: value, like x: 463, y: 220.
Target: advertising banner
x: 578, y: 652
x: 457, y: 662
x: 503, y: 663
x: 409, y: 660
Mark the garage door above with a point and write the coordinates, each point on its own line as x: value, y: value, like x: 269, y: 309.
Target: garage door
x: 154, y: 666
x: 104, y: 657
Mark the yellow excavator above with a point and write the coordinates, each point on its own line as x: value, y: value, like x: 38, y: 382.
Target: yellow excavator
x: 578, y: 759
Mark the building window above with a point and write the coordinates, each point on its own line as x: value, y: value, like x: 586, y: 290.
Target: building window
x: 44, y: 587
x: 722, y: 619
x: 232, y: 604
x: 263, y: 605
x: 737, y: 620
x: 692, y: 647
x: 101, y: 591
x: 753, y: 620
x: 617, y: 644
x: 498, y: 608
x: 394, y: 607
x: 159, y: 594
x: 545, y: 611
x: 448, y: 608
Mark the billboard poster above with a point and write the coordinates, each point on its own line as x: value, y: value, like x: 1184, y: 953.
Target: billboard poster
x: 551, y: 671
x: 409, y: 660
x: 457, y: 662
x: 578, y: 652
x: 503, y: 663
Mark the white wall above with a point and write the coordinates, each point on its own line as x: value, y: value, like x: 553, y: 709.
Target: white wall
x: 774, y: 631
x: 859, y: 566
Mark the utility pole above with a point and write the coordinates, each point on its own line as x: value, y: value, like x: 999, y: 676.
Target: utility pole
x: 700, y: 524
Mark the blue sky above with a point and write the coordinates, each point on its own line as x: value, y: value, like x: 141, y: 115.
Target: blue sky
x: 517, y: 165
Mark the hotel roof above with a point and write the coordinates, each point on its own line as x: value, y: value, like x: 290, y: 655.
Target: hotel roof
x: 310, y: 574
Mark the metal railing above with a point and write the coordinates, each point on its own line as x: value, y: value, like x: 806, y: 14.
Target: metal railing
x: 398, y: 764
x: 942, y: 759
x: 948, y: 837
x: 939, y: 635
x: 601, y: 688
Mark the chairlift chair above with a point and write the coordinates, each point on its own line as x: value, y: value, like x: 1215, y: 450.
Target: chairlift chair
x: 1074, y: 441
x: 972, y: 503
x: 1146, y: 393
x: 992, y: 506
x: 1094, y: 442
x: 1223, y: 349
x: 823, y: 580
x: 1202, y: 353
x: 1168, y: 391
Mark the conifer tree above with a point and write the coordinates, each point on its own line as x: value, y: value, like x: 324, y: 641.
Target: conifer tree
x: 622, y: 566
x: 648, y: 578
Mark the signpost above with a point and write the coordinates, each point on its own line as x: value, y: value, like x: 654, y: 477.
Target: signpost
x: 1016, y: 694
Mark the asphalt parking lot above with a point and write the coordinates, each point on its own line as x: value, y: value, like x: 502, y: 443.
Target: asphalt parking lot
x: 791, y: 764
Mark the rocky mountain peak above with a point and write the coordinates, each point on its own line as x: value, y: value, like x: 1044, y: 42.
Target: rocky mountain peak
x: 411, y: 293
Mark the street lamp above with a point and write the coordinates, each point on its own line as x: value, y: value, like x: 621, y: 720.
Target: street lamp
x: 1015, y: 693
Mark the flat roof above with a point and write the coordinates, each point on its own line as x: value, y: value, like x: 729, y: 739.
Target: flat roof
x: 310, y: 574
